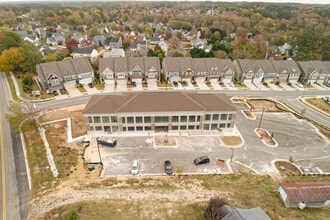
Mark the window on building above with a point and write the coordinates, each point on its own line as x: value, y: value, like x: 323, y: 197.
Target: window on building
x: 183, y: 127
x: 114, y: 128
x: 124, y: 128
x: 138, y: 120
x: 105, y: 119
x: 97, y: 119
x: 175, y: 118
x: 90, y: 119
x: 147, y: 128
x: 230, y: 116
x: 91, y: 128
x: 130, y: 120
x: 198, y: 118
x: 139, y: 128
x: 215, y: 117
x: 123, y: 120
x: 214, y: 126
x: 223, y: 117
x: 192, y: 118
x: 228, y: 125
x: 106, y: 128
x: 147, y: 119
x: 206, y: 127
x: 161, y: 119
x: 191, y: 127
x: 98, y: 128
x: 197, y: 127
x: 175, y: 128
x: 222, y: 125
x: 183, y: 119
x: 131, y: 128
x: 114, y: 119
x: 207, y: 117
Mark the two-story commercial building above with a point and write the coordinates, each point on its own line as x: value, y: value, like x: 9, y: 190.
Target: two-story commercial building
x: 152, y: 112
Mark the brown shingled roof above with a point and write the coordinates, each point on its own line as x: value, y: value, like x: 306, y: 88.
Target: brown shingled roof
x: 158, y: 102
x: 307, y: 192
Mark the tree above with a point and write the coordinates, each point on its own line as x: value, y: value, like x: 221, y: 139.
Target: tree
x: 50, y: 57
x: 8, y: 40
x: 71, y: 44
x: 213, y: 210
x: 21, y: 115
x: 10, y: 59
x: 32, y: 57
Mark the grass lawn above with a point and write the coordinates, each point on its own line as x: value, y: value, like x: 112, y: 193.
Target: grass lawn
x: 243, y: 191
x: 319, y: 103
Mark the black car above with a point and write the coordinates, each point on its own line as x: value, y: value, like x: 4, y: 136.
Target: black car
x: 184, y: 83
x: 201, y: 160
x: 55, y: 93
x: 168, y: 167
x: 134, y: 84
x: 62, y: 91
x: 175, y: 84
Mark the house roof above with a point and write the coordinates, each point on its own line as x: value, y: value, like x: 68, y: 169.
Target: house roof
x: 306, y: 67
x: 318, y: 65
x: 82, y: 50
x: 64, y: 68
x: 158, y: 102
x: 243, y: 214
x: 127, y: 64
x: 307, y: 191
x: 292, y: 67
x: 181, y: 64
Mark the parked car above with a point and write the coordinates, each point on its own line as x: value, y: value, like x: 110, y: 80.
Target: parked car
x: 168, y: 167
x: 175, y: 84
x: 62, y: 91
x: 55, y: 93
x: 134, y: 84
x: 299, y: 85
x: 201, y: 160
x: 184, y: 83
x: 135, y: 168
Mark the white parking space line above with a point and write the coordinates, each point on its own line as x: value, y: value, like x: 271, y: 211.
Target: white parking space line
x: 201, y: 84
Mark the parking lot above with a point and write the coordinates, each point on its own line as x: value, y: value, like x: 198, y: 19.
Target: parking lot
x: 296, y: 139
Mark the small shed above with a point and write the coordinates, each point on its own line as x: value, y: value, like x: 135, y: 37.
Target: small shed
x: 305, y: 194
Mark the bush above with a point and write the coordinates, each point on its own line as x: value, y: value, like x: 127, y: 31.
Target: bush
x: 27, y: 80
x: 72, y: 215
x: 277, y: 83
x: 213, y: 210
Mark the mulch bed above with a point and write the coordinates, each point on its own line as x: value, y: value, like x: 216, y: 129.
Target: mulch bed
x: 286, y: 168
x: 265, y: 136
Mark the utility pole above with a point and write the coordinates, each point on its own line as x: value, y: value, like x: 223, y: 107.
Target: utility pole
x: 262, y: 115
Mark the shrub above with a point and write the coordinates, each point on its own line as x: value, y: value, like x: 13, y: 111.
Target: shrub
x: 213, y: 210
x: 27, y: 80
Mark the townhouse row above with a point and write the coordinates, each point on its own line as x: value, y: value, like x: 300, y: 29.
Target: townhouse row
x: 53, y: 75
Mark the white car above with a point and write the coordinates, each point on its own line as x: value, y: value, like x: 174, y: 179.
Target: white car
x: 135, y: 168
x: 299, y: 85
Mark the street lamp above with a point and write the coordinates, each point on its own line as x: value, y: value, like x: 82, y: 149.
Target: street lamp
x: 262, y: 114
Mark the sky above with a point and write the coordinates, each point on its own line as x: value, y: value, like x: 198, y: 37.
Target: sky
x: 276, y: 1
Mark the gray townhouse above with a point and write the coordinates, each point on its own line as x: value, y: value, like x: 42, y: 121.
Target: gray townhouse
x: 287, y: 71
x: 312, y: 72
x: 154, y: 112
x: 187, y: 68
x: 129, y: 69
x: 249, y: 71
x: 53, y: 75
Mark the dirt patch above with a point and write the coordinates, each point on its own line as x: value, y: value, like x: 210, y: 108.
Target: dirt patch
x: 231, y: 140
x: 259, y: 105
x: 286, y: 168
x: 266, y: 137
x: 165, y: 141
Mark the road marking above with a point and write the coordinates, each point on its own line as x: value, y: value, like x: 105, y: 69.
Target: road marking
x: 3, y: 173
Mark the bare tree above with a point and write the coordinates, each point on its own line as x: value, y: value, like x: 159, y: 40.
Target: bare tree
x: 213, y: 210
x: 21, y: 114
